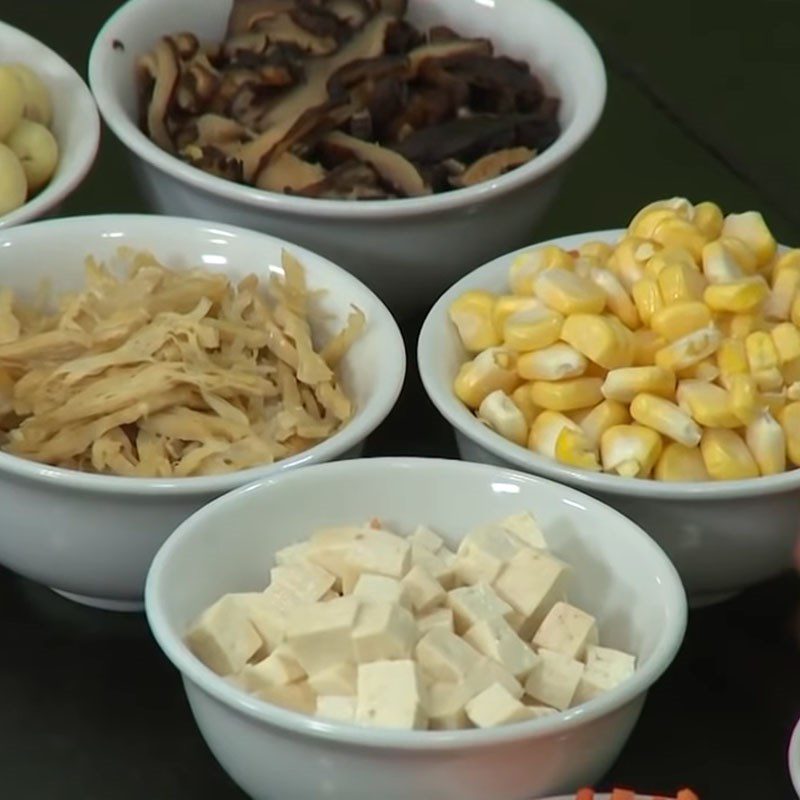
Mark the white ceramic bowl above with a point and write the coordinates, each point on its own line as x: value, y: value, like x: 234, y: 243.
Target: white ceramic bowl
x: 620, y: 575
x: 93, y: 536
x: 76, y: 124
x: 794, y: 758
x: 407, y: 250
x: 722, y: 537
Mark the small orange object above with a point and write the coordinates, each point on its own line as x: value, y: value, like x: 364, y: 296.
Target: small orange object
x: 584, y: 794
x: 622, y: 794
x: 686, y: 794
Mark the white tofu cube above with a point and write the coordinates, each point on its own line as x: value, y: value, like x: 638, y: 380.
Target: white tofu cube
x: 440, y: 565
x: 425, y: 537
x: 423, y: 590
x: 339, y: 707
x: 531, y: 583
x: 568, y: 630
x: 495, y: 706
x: 445, y: 656
x: 379, y: 553
x: 483, y: 553
x: 294, y: 554
x: 383, y: 631
x: 496, y: 639
x: 439, y: 618
x: 525, y: 528
x: 445, y: 706
x: 277, y: 669
x: 320, y: 634
x: 330, y: 595
x: 294, y: 697
x: 338, y: 679
x: 473, y: 603
x: 605, y: 669
x: 390, y: 695
x: 488, y: 671
x: 266, y: 615
x: 308, y: 582
x: 536, y: 709
x: 380, y: 589
x: 223, y: 637
x: 554, y: 679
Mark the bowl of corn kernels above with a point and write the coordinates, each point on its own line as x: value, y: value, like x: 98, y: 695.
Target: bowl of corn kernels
x: 656, y: 367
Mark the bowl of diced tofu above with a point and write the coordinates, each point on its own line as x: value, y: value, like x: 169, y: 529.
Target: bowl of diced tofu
x: 414, y: 628
x: 646, y: 389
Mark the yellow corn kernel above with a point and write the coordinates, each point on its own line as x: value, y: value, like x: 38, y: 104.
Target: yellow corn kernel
x: 508, y: 304
x: 568, y: 293
x: 625, y: 383
x: 784, y: 290
x: 767, y: 442
x: 617, y: 298
x: 669, y: 256
x: 600, y: 251
x: 499, y: 412
x: 743, y: 397
x: 726, y: 456
x: 602, y: 339
x: 629, y: 258
x: 647, y: 299
x: 789, y: 418
x: 750, y: 228
x: 706, y: 370
x: 545, y: 430
x: 740, y: 253
x: 552, y: 363
x: 708, y: 219
x: 532, y: 329
x: 740, y: 326
x: 472, y: 315
x: 672, y: 206
x: 646, y: 222
x: 584, y: 266
x: 521, y: 397
x: 790, y: 258
x: 567, y: 395
x: 707, y: 404
x: 786, y: 338
x: 527, y: 266
x: 738, y: 297
x: 630, y: 450
x: 761, y: 352
x: 665, y: 417
x: 680, y: 282
x: 732, y: 359
x: 646, y: 344
x: 677, y: 232
x: 774, y: 402
x: 689, y: 350
x: 603, y: 416
x: 791, y: 371
x: 680, y: 319
x: 681, y: 463
x: 719, y: 265
x: 793, y: 391
x: 495, y: 368
x: 575, y: 449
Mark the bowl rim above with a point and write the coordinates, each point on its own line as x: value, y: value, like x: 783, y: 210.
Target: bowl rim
x: 60, y: 186
x: 794, y: 758
x: 437, y: 326
x: 194, y: 671
x: 365, y: 420
x: 591, y: 92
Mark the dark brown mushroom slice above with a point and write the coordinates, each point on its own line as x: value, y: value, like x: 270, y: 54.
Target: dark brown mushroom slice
x: 320, y: 21
x: 197, y: 86
x: 245, y: 14
x: 284, y: 29
x: 290, y: 174
x: 352, y: 12
x: 161, y: 69
x: 287, y: 121
x: 369, y: 70
x: 403, y: 37
x: 445, y: 51
x: 352, y: 180
x: 393, y: 169
x: 253, y: 42
x: 360, y: 125
x: 186, y: 45
x: 441, y: 33
x: 214, y: 161
x: 493, y: 165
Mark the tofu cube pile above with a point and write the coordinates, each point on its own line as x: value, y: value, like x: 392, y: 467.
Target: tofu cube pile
x: 361, y: 625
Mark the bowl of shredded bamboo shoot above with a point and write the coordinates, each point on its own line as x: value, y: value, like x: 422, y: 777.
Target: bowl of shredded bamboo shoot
x: 149, y: 364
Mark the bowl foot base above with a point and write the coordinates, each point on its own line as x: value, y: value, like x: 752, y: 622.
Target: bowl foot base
x: 102, y: 602
x: 710, y: 599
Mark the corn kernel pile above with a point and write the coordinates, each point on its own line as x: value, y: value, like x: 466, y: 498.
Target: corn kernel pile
x: 674, y: 354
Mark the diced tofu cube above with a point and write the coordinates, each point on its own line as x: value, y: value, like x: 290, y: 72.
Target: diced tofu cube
x: 439, y: 618
x: 605, y: 669
x: 267, y: 614
x: 495, y: 706
x: 330, y: 595
x: 445, y: 656
x: 380, y: 553
x: 488, y: 671
x: 338, y: 679
x: 525, y: 528
x: 531, y: 583
x: 294, y: 696
x: 423, y: 590
x: 496, y: 639
x: 277, y: 669
x: 483, y: 553
x: 223, y: 637
x: 536, y: 709
x: 445, y: 706
x: 383, y: 631
x: 473, y: 603
x: 339, y: 707
x: 568, y: 630
x: 554, y: 679
x: 380, y: 589
x: 440, y: 565
x: 294, y: 554
x: 308, y: 582
x: 320, y: 634
x: 390, y: 695
x: 425, y: 537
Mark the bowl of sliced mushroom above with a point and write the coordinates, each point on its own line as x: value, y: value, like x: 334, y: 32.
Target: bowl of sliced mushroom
x: 376, y: 132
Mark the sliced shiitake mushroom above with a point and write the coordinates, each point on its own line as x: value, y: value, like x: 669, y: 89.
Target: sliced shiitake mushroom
x: 493, y: 165
x: 288, y: 173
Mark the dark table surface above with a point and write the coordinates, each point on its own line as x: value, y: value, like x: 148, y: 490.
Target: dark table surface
x: 699, y: 105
